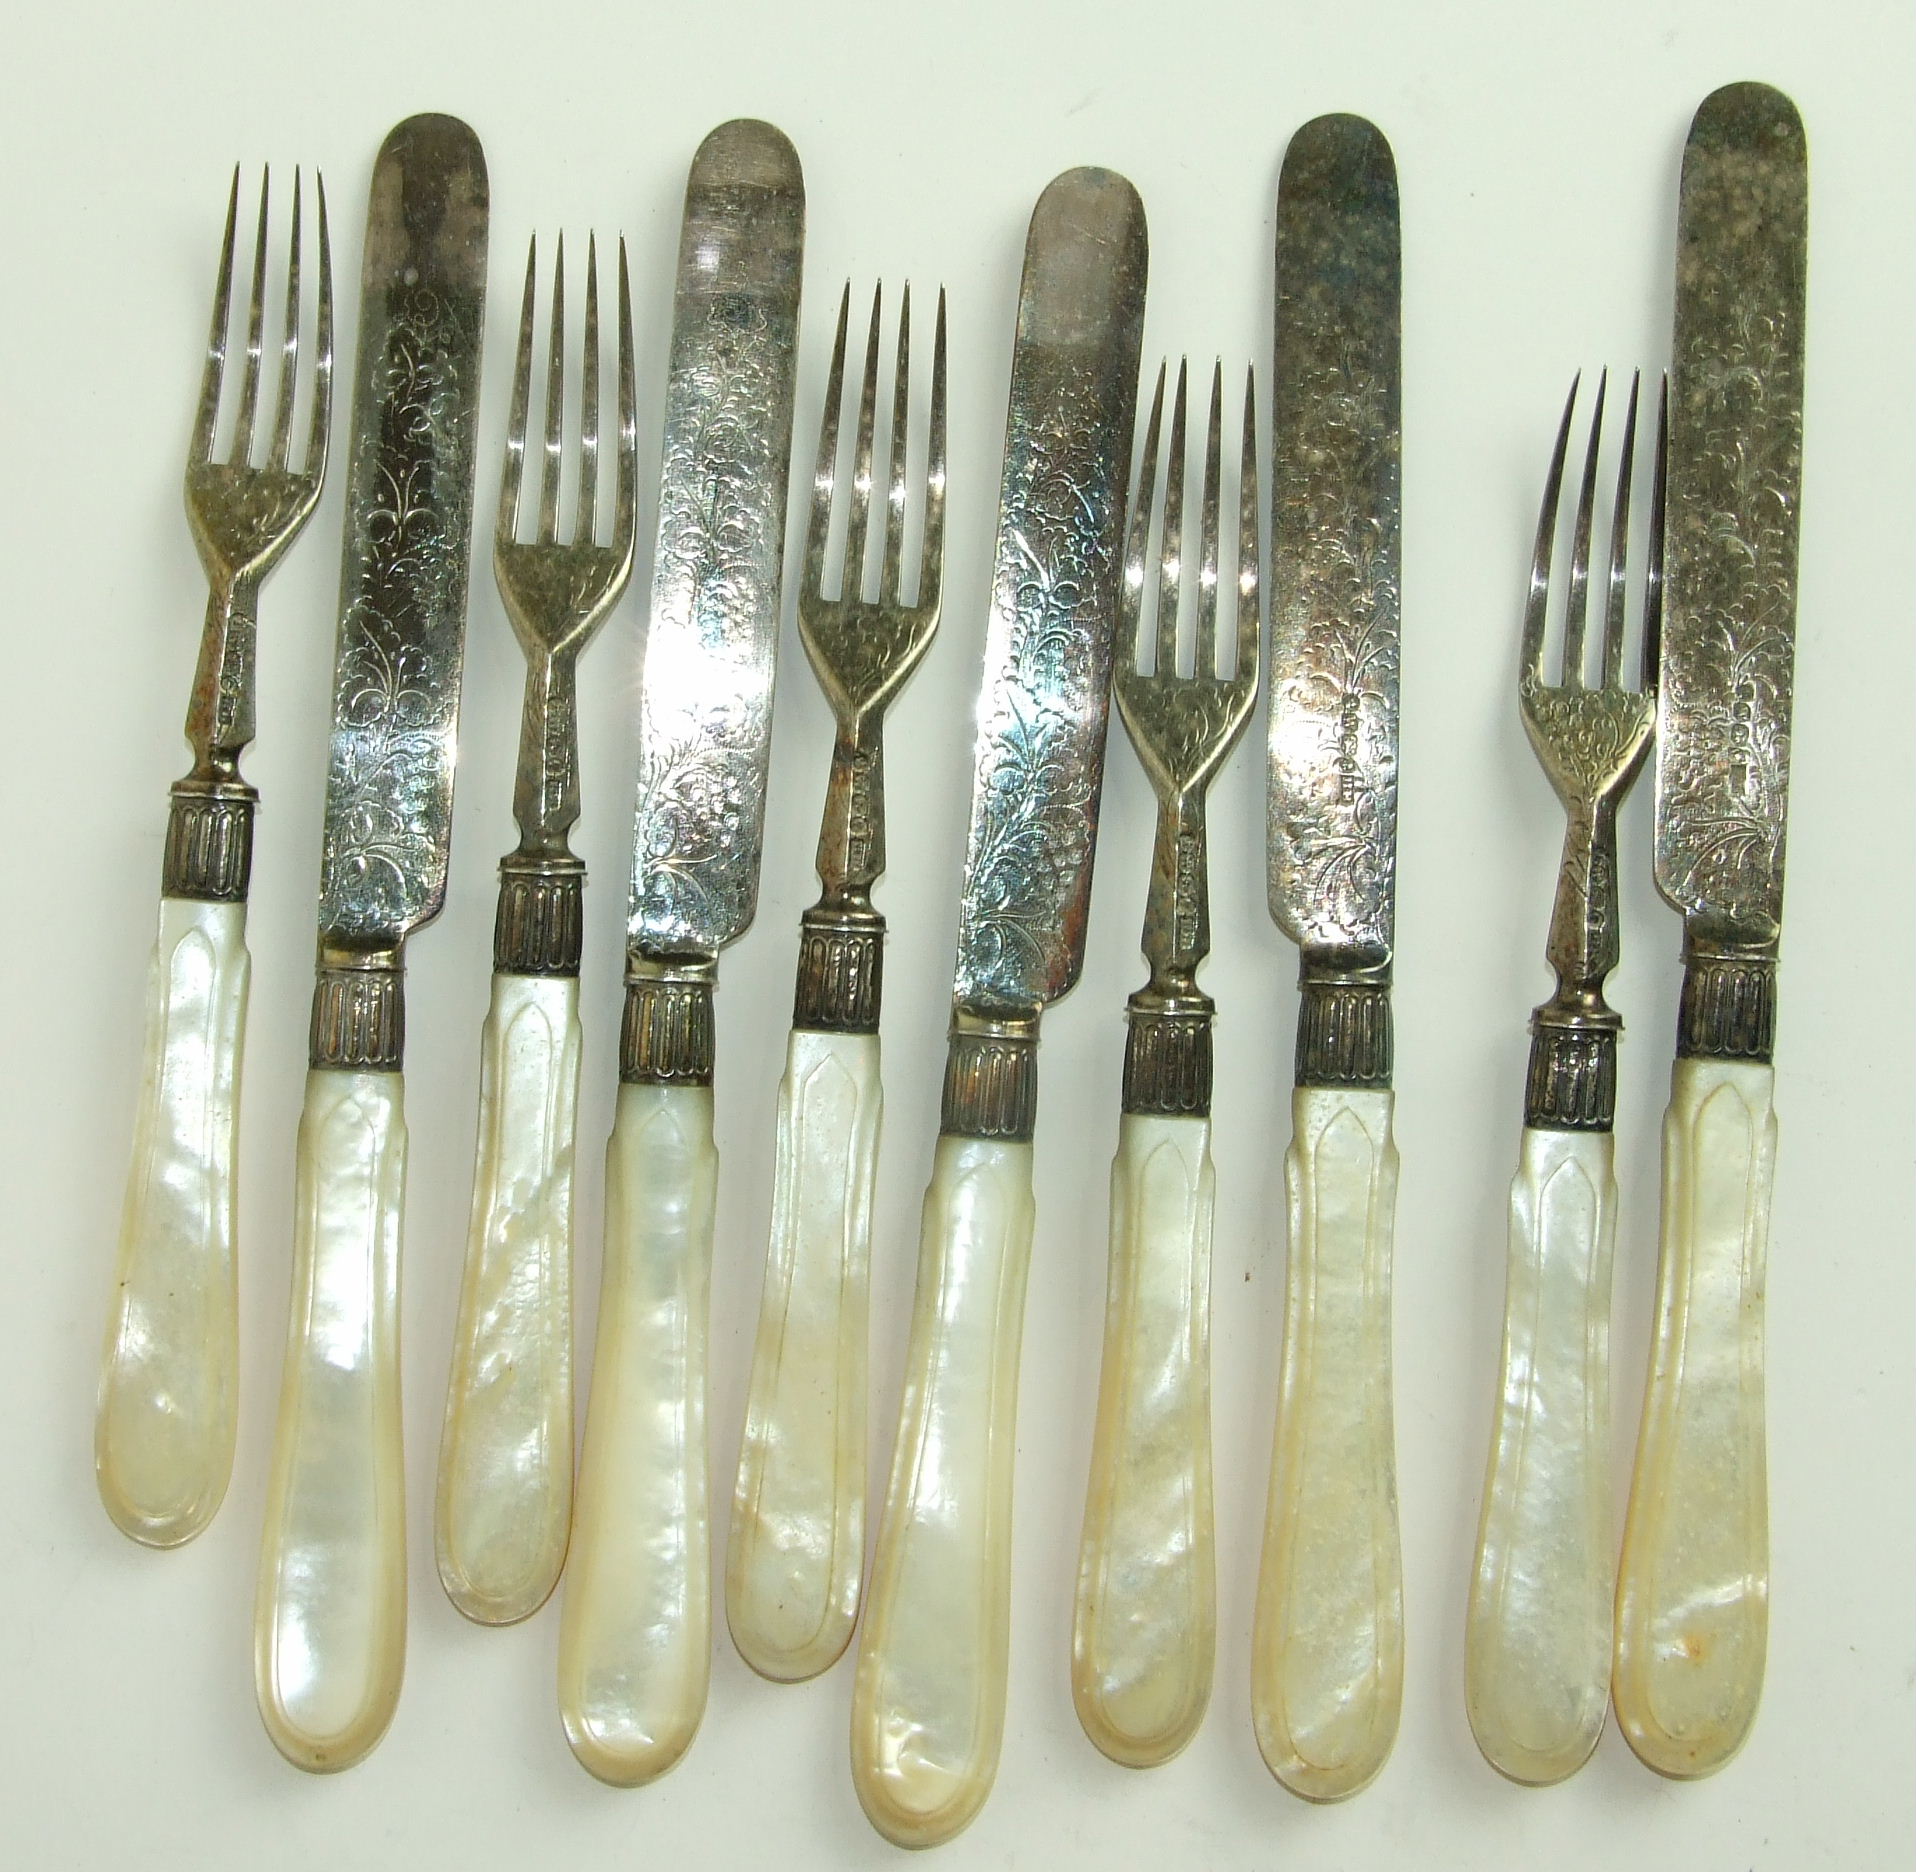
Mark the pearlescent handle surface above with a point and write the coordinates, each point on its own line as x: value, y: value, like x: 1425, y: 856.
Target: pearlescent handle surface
x: 1537, y: 1639
x: 635, y: 1629
x: 1327, y: 1665
x: 505, y: 1465
x: 1146, y: 1628
x: 330, y: 1626
x: 1693, y: 1588
x: 928, y: 1706
x: 163, y: 1437
x: 798, y: 1514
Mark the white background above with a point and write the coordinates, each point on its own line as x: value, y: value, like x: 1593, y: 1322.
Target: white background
x: 1538, y: 150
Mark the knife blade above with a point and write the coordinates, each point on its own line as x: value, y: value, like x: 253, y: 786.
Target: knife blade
x: 1327, y: 1669
x: 1693, y: 1589
x: 329, y: 1635
x: 928, y: 1704
x: 635, y: 1628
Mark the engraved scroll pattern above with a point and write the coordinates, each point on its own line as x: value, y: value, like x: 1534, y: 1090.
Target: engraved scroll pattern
x: 1724, y: 772
x: 1034, y: 806
x: 396, y: 681
x: 706, y: 712
x: 1333, y: 847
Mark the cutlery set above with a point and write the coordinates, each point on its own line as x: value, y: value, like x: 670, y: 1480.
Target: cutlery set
x: 1097, y: 594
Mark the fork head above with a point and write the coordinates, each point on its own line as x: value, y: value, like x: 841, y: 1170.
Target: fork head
x: 1183, y: 725
x: 1592, y: 739
x: 861, y: 648
x: 558, y: 592
x: 245, y: 515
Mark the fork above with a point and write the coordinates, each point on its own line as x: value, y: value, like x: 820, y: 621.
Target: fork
x: 504, y: 1509
x: 1144, y: 1633
x: 1537, y: 1637
x: 797, y: 1544
x: 163, y: 1435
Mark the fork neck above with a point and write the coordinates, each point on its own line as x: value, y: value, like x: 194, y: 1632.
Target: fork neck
x: 1571, y: 1084
x: 545, y: 793
x: 1177, y: 908
x: 1167, y: 1046
x: 851, y: 840
x: 219, y: 717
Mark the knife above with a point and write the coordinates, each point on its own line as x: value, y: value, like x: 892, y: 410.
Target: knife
x: 928, y: 1701
x: 635, y: 1628
x: 1693, y: 1588
x: 1327, y: 1642
x: 330, y: 1626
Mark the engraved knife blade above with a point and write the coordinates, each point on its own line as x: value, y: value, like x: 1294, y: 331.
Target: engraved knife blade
x: 1729, y: 620
x: 1335, y: 525
x: 330, y: 1621
x: 1327, y: 1645
x: 1693, y: 1582
x: 1038, y: 763
x: 705, y: 687
x: 928, y: 1707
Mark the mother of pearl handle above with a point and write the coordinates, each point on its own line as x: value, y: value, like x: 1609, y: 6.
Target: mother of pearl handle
x: 1693, y: 1587
x: 504, y: 1507
x: 1145, y: 1632
x: 1537, y: 1638
x: 635, y: 1627
x: 928, y: 1705
x: 798, y: 1513
x: 1327, y: 1646
x: 329, y: 1645
x: 163, y: 1436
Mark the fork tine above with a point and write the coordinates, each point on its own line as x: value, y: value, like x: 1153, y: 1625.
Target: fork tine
x: 555, y: 403
x: 1248, y: 621
x: 1171, y: 540
x: 931, y: 559
x: 1537, y: 600
x: 279, y: 453
x: 858, y: 527
x: 512, y: 473
x: 1576, y: 615
x: 1614, y: 597
x: 588, y: 510
x: 207, y: 418
x: 825, y: 477
x: 320, y: 427
x: 1137, y: 539
x: 255, y: 338
x: 1653, y: 581
x: 626, y: 521
x: 900, y: 421
x: 1206, y: 657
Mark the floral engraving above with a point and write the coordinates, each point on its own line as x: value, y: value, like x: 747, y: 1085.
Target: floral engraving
x: 396, y: 678
x: 1333, y: 744
x: 705, y: 708
x: 1040, y: 741
x: 1723, y: 765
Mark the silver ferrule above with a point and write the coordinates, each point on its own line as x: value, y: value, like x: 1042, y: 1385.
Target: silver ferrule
x: 1343, y: 1025
x: 1728, y: 1008
x: 209, y: 840
x: 539, y: 927
x: 841, y: 956
x: 666, y: 1034
x: 359, y: 1011
x: 991, y: 1077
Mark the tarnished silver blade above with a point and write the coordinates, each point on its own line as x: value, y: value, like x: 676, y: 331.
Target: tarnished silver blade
x: 705, y: 690
x: 1039, y: 761
x: 1335, y: 520
x: 1735, y: 467
x: 402, y: 599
